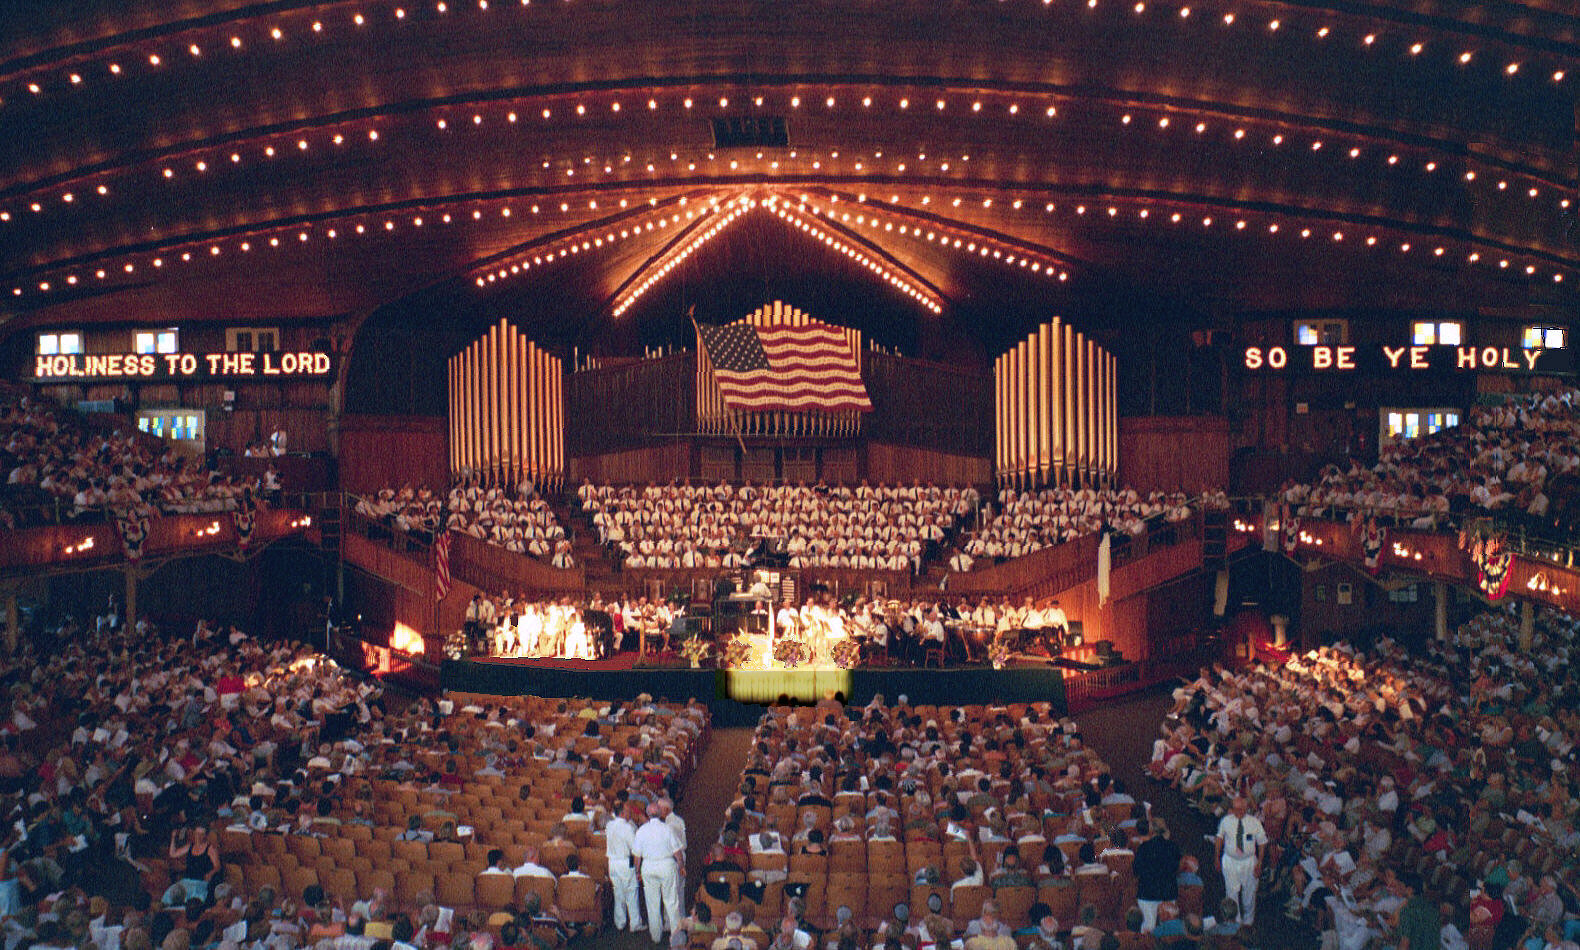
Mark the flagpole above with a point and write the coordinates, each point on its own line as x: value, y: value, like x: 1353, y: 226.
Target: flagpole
x: 691, y: 314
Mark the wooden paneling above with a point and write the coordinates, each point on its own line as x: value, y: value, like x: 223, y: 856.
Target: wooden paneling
x: 898, y: 464
x: 928, y: 405
x: 390, y: 451
x: 169, y: 534
x: 656, y: 463
x: 630, y: 405
x: 493, y: 568
x: 403, y: 570
x: 1174, y: 453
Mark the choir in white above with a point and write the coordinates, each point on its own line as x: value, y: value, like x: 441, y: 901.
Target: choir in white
x: 520, y: 520
x: 521, y: 627
x: 888, y: 527
x: 1029, y: 521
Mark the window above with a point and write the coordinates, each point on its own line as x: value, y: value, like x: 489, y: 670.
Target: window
x: 1438, y: 333
x: 1412, y: 423
x: 176, y: 425
x: 1544, y: 338
x: 252, y: 340
x: 1322, y: 332
x: 154, y: 341
x: 1404, y: 595
x: 63, y: 343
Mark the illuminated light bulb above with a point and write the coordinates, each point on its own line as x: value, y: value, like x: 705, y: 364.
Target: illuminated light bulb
x: 68, y: 197
x: 130, y: 268
x: 1470, y: 176
x: 1322, y: 33
x: 940, y: 105
x: 1530, y: 269
x: 1274, y: 26
x: 1144, y: 213
x: 1201, y: 127
x: 1355, y: 153
x: 153, y: 60
x: 1512, y: 68
x: 1141, y: 8
x: 115, y: 69
x: 169, y: 173
x: 1228, y: 19
x: 1272, y: 229
x: 1014, y: 108
x: 1316, y: 146
x: 582, y: 109
x: 477, y: 120
x: 1278, y: 140
x: 1370, y: 39
x: 1533, y: 192
x: 362, y: 229
x: 795, y: 102
x: 373, y: 135
x: 1163, y: 123
x: 1558, y: 278
x: 1558, y: 76
x: 1503, y: 186
x: 359, y: 19
x: 1175, y: 217
x: 1503, y: 264
x: 5, y: 216
x: 1305, y: 232
x: 652, y: 104
x: 318, y: 27
x: 76, y: 79
x: 1438, y: 252
x: 1415, y: 49
x: 1239, y: 225
x: 44, y: 285
x: 1464, y: 57
x: 1239, y: 134
x: 1052, y: 111
x: 1184, y: 13
x: 1474, y: 258
x: 1080, y: 209
x: 1371, y: 242
x: 1404, y: 248
x: 1124, y: 120
x: 1206, y: 222
x: 546, y: 113
x: 276, y: 33
x: 1431, y: 166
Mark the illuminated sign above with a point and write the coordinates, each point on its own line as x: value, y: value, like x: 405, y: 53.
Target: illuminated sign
x: 176, y: 367
x: 1384, y: 359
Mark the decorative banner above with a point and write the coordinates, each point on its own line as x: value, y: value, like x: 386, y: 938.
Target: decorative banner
x: 1405, y: 359
x: 441, y: 566
x: 165, y: 367
x: 1373, y: 537
x: 133, y: 527
x: 244, y: 519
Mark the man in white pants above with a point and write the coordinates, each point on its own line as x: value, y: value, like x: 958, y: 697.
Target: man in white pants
x: 1240, y: 841
x: 658, y: 861
x: 619, y: 837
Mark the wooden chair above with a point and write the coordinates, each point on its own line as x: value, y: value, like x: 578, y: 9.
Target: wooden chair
x: 846, y: 890
x: 294, y: 883
x: 413, y: 884
x: 534, y: 884
x: 494, y: 891
x: 455, y: 889
x: 884, y: 890
x: 1014, y: 902
x: 847, y: 856
x: 967, y: 901
x: 257, y: 876
x: 415, y: 852
x: 340, y: 884
x: 1192, y: 899
x: 1062, y: 900
x: 919, y: 895
x: 303, y: 847
x: 581, y: 901
x: 372, y: 878
x: 450, y: 853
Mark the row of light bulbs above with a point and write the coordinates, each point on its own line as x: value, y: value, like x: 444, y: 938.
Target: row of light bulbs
x: 662, y: 268
x: 187, y: 251
x: 576, y: 244
x: 925, y: 298
x: 198, y: 42
x: 1144, y: 213
x: 203, y: 161
x: 970, y: 245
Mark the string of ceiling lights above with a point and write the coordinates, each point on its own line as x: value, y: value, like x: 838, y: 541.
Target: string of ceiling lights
x: 1382, y: 148
x: 114, y: 57
x: 1293, y: 222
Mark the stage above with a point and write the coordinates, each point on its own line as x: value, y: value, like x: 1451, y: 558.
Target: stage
x: 620, y: 678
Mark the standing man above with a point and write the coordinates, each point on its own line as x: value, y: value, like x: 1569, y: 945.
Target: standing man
x: 657, y: 855
x: 619, y: 837
x: 1240, y: 841
x: 1156, y: 865
x: 676, y: 824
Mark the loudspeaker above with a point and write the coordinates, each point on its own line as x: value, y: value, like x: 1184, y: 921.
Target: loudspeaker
x: 1105, y: 649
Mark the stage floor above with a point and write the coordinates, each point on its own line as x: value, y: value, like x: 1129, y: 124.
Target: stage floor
x: 619, y: 677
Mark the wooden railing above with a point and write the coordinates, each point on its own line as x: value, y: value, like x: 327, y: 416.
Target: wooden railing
x: 492, y: 568
x: 73, y: 546
x: 898, y: 584
x: 1437, y: 555
x: 1063, y: 566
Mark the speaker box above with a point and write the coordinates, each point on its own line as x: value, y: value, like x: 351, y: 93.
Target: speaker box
x: 1104, y: 648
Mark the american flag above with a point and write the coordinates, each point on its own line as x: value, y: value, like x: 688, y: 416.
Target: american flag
x: 785, y: 368
x: 441, y: 565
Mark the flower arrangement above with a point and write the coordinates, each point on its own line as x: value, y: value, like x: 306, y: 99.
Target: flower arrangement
x: 998, y: 652
x: 696, y: 650
x: 791, y: 652
x: 737, y: 650
x: 846, y: 654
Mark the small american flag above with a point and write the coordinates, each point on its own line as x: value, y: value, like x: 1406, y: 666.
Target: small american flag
x: 441, y: 565
x: 785, y: 368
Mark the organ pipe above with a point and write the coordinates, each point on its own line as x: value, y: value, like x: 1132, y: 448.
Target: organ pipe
x: 507, y: 409
x: 1056, y: 409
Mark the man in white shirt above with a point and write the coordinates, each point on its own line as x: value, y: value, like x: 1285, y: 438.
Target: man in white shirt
x: 530, y: 866
x: 657, y: 854
x: 1239, y: 843
x: 677, y: 824
x: 618, y: 839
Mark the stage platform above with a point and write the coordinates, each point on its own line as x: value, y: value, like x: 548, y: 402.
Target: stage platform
x: 619, y: 678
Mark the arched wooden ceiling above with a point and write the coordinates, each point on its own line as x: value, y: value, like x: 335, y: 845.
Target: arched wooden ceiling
x: 219, y: 159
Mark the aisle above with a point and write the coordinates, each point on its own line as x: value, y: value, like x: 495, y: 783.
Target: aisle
x: 1122, y: 734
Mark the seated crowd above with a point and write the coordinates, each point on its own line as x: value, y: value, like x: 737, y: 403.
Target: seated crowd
x: 885, y: 527
x: 912, y: 827
x: 1029, y: 521
x: 1500, y: 459
x: 1380, y: 773
x: 520, y: 521
x: 211, y: 791
x: 56, y: 468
